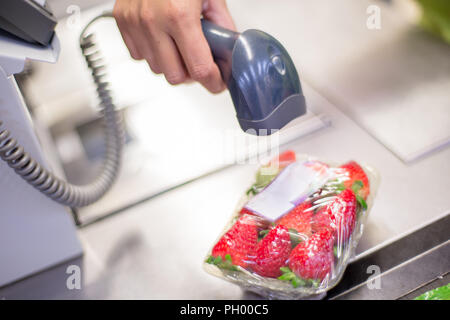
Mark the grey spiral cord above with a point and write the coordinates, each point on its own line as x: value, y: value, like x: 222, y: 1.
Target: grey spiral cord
x: 59, y: 190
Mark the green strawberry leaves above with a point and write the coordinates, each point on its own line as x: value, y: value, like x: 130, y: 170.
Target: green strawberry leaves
x: 339, y: 187
x: 263, y: 178
x: 295, y: 237
x: 293, y: 234
x: 332, y: 186
x: 289, y: 276
x: 253, y: 190
x: 356, y: 186
x: 262, y: 234
x: 361, y: 201
x: 226, y: 264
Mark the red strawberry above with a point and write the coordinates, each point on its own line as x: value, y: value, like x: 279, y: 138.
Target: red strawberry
x: 322, y: 220
x: 313, y: 258
x: 338, y: 216
x: 244, y: 210
x: 284, y: 159
x: 354, y: 173
x: 272, y: 252
x: 298, y: 218
x: 239, y: 242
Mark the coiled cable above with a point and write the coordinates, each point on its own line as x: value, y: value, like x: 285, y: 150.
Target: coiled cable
x: 46, y: 182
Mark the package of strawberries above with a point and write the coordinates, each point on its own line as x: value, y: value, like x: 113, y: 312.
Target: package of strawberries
x: 296, y: 228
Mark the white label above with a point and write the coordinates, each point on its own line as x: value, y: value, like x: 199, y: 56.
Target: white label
x: 291, y: 187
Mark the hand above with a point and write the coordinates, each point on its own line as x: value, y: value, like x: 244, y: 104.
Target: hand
x: 168, y: 35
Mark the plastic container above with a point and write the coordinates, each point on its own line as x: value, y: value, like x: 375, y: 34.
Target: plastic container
x: 296, y: 228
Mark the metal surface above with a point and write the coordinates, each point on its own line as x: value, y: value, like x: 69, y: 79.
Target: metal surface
x: 35, y: 233
x: 433, y: 284
x: 155, y: 250
x: 402, y: 266
x: 198, y: 212
x: 406, y: 277
x: 393, y: 81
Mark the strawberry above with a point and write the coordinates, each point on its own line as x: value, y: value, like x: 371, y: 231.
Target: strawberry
x: 339, y: 216
x: 239, y: 242
x: 298, y: 218
x: 244, y: 210
x: 313, y: 258
x: 355, y: 174
x: 284, y: 159
x: 272, y: 252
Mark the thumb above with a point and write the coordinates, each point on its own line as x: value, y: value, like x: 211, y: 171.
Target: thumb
x: 217, y: 11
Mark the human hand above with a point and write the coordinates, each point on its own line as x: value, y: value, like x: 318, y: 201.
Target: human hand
x: 168, y: 35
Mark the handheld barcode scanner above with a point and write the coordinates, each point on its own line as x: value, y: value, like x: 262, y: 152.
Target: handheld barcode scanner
x: 260, y: 75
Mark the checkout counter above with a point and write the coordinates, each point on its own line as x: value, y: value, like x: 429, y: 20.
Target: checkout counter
x: 377, y: 96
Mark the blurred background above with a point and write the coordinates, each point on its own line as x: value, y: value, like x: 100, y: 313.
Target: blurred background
x: 377, y: 95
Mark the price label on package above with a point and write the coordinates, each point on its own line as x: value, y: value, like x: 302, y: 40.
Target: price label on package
x: 291, y: 187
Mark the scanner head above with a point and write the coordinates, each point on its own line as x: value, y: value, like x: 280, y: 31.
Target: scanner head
x: 264, y: 83
x: 261, y: 77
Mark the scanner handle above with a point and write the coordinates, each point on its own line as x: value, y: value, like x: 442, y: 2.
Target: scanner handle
x: 220, y: 40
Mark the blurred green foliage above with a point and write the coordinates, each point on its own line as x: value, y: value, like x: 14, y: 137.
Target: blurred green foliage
x: 442, y: 293
x: 436, y: 17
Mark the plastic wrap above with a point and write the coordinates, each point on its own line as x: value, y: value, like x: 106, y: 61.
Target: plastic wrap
x: 296, y: 228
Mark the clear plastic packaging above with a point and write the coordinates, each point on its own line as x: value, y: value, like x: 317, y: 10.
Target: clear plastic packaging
x: 296, y: 228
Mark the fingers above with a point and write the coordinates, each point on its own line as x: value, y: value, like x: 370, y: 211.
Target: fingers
x: 196, y: 54
x: 121, y: 13
x: 128, y: 18
x: 217, y: 12
x: 168, y: 57
x: 163, y: 49
x: 168, y: 34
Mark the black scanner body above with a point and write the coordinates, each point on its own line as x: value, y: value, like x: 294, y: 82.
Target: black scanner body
x: 260, y: 75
